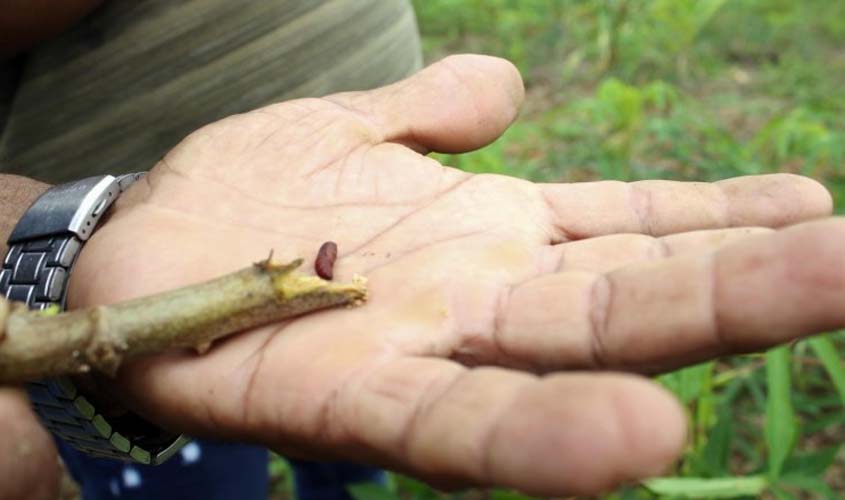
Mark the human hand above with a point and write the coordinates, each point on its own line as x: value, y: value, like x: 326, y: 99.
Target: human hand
x: 464, y: 270
x: 28, y: 460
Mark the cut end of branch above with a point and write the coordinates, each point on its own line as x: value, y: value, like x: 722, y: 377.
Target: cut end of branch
x: 290, y: 287
x: 360, y: 283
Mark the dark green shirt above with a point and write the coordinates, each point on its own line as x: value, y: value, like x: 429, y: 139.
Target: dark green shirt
x: 121, y: 88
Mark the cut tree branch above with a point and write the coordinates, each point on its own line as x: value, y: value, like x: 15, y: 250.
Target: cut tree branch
x: 38, y: 344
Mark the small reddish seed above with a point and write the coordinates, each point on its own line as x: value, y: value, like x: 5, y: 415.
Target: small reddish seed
x: 324, y: 263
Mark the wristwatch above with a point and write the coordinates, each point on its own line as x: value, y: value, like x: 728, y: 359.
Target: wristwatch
x: 43, y: 247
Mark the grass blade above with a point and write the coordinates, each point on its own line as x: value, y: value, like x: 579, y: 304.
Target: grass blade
x: 723, y: 487
x: 813, y: 464
x: 781, y: 427
x: 811, y: 484
x: 827, y: 354
x: 370, y: 491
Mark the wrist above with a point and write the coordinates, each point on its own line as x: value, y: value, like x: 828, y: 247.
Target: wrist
x: 46, y: 241
x: 16, y: 195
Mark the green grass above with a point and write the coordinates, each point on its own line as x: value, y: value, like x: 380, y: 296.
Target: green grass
x: 689, y: 90
x: 666, y: 88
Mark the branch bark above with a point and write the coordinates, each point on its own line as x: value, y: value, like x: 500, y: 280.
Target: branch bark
x: 38, y: 344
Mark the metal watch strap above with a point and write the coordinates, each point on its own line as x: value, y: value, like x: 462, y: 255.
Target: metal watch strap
x: 42, y: 250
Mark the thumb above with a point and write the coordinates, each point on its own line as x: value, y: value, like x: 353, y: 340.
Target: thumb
x: 455, y: 105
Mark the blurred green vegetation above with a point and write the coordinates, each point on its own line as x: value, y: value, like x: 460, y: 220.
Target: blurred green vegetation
x: 690, y: 90
x: 634, y: 89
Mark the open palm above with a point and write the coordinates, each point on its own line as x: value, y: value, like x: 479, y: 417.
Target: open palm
x: 477, y: 284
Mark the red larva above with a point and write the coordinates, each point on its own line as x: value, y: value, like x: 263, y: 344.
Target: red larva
x: 324, y: 263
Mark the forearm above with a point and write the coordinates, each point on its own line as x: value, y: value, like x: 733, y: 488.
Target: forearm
x: 16, y: 195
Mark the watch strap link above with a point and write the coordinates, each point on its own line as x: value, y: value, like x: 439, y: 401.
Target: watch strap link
x: 36, y: 272
x: 70, y: 416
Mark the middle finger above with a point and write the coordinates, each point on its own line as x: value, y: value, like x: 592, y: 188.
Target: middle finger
x: 658, y: 315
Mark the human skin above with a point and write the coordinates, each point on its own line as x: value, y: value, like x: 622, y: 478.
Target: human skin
x: 28, y: 459
x: 508, y: 322
x: 24, y: 23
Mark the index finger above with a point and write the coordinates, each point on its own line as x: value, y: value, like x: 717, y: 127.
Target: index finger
x: 656, y: 207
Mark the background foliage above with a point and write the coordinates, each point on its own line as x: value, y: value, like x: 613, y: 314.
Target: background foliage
x: 682, y: 89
